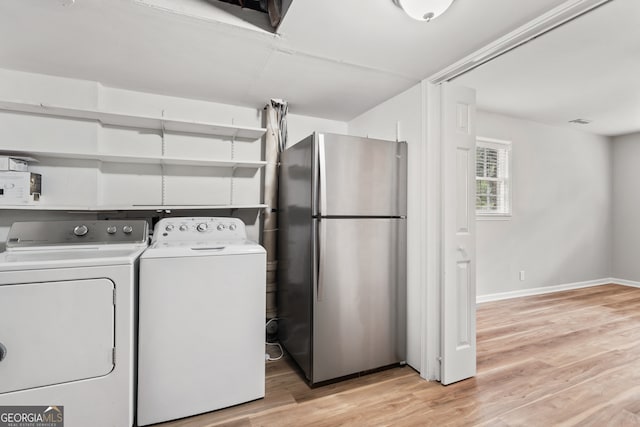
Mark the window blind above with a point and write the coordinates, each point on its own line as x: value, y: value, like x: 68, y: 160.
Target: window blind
x: 493, y: 189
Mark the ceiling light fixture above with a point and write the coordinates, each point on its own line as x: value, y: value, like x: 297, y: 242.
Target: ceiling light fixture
x: 423, y: 10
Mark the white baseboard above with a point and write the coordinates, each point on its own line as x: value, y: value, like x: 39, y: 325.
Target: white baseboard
x: 625, y: 282
x: 550, y: 289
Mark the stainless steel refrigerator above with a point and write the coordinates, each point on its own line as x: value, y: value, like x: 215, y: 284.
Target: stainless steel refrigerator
x: 342, y: 254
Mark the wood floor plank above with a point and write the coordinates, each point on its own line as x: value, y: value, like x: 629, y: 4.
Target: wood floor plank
x: 552, y: 341
x: 607, y: 392
x: 570, y: 358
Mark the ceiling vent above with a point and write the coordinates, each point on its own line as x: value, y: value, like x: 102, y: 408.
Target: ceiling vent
x: 580, y: 121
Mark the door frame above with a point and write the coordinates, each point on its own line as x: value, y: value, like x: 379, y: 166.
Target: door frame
x: 431, y: 234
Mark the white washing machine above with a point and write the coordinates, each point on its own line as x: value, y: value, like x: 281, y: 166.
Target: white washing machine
x: 67, y: 319
x: 201, y: 319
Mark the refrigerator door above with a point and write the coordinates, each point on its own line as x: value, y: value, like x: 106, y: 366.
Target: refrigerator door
x: 359, y: 296
x: 360, y: 176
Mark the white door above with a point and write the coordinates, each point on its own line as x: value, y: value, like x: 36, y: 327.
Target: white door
x: 458, y: 234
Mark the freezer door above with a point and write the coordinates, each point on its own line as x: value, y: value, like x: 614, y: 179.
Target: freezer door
x: 360, y: 176
x: 359, y: 297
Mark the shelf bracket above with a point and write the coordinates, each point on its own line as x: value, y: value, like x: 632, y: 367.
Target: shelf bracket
x: 162, y: 165
x: 233, y: 170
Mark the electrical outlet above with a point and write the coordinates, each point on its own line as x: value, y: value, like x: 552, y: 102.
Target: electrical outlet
x: 522, y: 275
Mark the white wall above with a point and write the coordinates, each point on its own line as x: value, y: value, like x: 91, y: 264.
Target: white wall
x: 299, y: 127
x: 401, y: 118
x: 560, y: 231
x: 626, y: 207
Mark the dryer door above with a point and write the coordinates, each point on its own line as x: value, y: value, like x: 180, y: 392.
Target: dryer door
x: 55, y: 332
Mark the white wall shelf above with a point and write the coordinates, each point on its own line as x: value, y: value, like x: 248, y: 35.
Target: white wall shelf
x: 137, y: 121
x: 71, y: 208
x: 163, y: 160
x: 119, y: 172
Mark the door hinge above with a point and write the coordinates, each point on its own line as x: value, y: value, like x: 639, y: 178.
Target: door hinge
x: 114, y: 296
x: 113, y: 356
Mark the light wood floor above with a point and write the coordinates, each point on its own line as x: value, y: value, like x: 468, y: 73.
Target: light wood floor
x: 562, y: 359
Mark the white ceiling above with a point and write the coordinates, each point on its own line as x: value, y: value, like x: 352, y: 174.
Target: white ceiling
x: 589, y: 68
x: 333, y: 58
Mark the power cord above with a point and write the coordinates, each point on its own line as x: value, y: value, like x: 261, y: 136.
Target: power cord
x: 267, y: 356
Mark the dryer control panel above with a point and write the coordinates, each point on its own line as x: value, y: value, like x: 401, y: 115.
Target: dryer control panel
x: 56, y: 233
x: 212, y: 229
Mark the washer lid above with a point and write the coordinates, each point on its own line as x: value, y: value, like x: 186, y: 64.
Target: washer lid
x: 201, y: 248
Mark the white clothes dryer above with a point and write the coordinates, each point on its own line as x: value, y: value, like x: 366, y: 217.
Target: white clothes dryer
x: 201, y: 319
x: 67, y: 319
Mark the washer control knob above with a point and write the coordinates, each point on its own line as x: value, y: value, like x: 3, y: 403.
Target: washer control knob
x: 112, y: 229
x: 127, y: 229
x: 232, y: 227
x: 3, y: 352
x: 220, y: 227
x: 169, y: 227
x: 80, y: 230
x: 183, y: 227
x: 202, y: 227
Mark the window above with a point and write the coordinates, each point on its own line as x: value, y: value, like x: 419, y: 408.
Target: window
x: 493, y: 177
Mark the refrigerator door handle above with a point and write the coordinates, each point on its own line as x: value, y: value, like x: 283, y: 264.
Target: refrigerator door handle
x: 320, y: 256
x: 322, y: 171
